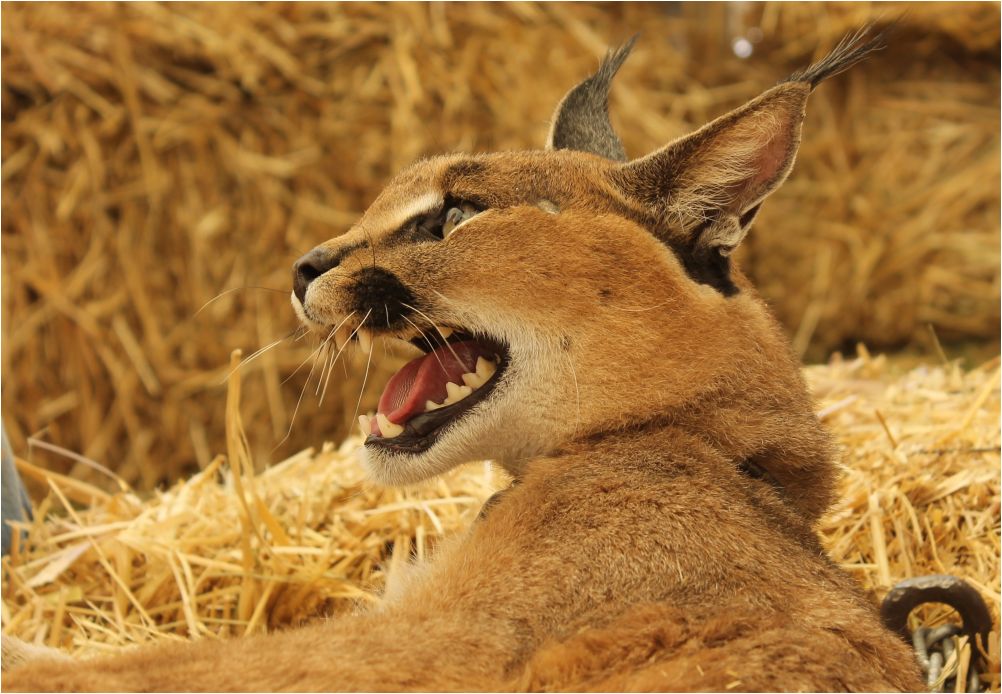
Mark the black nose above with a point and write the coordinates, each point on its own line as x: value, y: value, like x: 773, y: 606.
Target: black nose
x: 309, y: 267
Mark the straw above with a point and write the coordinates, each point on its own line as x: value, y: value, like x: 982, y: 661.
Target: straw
x: 162, y: 158
x: 307, y: 538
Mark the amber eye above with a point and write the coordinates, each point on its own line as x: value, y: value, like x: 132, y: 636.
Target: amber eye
x: 455, y: 216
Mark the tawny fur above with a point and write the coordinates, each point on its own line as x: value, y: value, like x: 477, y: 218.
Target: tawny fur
x: 635, y: 552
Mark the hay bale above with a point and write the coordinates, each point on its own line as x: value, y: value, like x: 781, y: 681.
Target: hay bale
x: 229, y: 551
x: 156, y: 157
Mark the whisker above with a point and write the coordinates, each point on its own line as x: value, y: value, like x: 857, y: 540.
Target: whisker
x: 437, y: 329
x: 302, y: 393
x: 365, y: 378
x: 361, y: 391
x: 257, y: 354
x: 443, y: 297
x: 323, y: 369
x: 326, y: 358
x: 223, y: 293
x: 329, y: 372
x: 338, y: 356
x: 34, y: 442
x: 332, y: 333
x: 433, y: 351
x: 301, y: 364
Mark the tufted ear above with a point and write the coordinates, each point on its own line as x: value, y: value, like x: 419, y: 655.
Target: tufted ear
x: 704, y: 190
x: 581, y: 121
x: 711, y: 182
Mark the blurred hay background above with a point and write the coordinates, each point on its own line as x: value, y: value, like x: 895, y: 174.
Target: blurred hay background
x: 156, y: 156
x: 228, y: 551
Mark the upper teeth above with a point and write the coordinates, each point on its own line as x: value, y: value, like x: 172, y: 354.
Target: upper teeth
x: 364, y: 340
x: 472, y: 381
x: 455, y: 392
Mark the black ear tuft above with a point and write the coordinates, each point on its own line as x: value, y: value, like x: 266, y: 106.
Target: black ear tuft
x: 850, y: 50
x: 581, y: 121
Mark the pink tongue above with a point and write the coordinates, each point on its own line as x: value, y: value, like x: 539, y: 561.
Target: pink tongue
x: 424, y: 379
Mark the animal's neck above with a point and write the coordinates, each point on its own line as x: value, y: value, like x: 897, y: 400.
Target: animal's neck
x: 729, y: 457
x: 632, y: 518
x: 769, y: 430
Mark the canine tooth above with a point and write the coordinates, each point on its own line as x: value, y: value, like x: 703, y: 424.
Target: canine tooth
x: 444, y: 332
x: 341, y: 337
x: 430, y: 405
x: 474, y: 381
x: 485, y: 368
x: 388, y: 429
x: 365, y: 424
x: 364, y: 340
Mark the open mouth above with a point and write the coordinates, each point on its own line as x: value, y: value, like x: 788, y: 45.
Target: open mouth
x: 431, y: 392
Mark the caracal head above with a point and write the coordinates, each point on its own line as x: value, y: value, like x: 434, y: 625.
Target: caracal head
x: 560, y: 293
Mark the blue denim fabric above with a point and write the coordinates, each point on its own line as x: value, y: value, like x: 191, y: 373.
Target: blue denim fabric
x: 14, y: 503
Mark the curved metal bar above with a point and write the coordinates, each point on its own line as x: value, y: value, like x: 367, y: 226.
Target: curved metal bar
x: 949, y: 590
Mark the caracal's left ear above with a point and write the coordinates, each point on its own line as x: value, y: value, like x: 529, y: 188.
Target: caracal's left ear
x: 703, y: 190
x: 581, y: 121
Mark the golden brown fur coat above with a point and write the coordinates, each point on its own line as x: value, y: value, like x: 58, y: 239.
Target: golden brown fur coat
x: 669, y: 466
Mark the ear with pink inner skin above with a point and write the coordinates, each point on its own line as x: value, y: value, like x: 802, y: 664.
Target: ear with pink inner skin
x: 706, y: 187
x: 701, y: 192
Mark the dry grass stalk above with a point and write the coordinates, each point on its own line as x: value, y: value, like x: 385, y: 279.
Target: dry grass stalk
x: 232, y: 551
x: 158, y: 156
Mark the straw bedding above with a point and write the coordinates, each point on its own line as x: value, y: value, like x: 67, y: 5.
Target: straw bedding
x: 229, y: 552
x: 158, y: 156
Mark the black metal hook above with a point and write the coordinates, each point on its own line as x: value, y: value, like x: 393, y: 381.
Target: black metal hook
x: 949, y: 590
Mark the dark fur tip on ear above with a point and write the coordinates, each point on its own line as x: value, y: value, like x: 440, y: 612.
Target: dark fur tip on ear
x: 581, y: 121
x: 614, y: 60
x: 849, y: 51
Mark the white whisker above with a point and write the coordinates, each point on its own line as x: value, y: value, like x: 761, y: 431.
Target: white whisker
x: 306, y: 384
x: 323, y: 369
x: 223, y: 293
x: 443, y: 297
x: 256, y: 355
x: 302, y: 363
x: 437, y: 329
x: 338, y: 356
x: 433, y: 351
x: 365, y: 378
x: 331, y: 351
